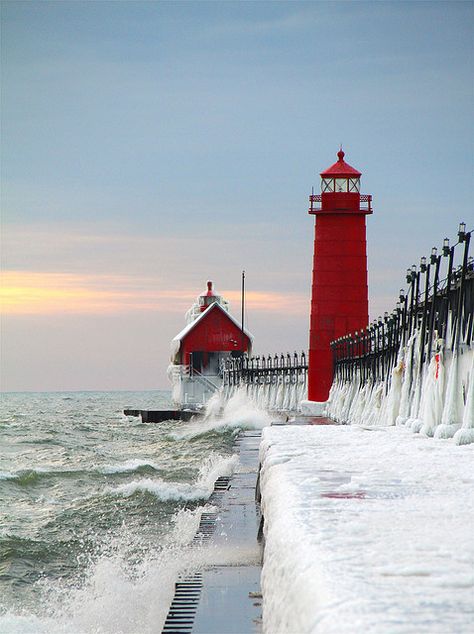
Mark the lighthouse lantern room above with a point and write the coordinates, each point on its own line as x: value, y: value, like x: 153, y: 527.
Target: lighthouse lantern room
x: 339, y: 294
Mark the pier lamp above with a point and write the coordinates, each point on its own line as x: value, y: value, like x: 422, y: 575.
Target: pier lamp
x: 462, y: 231
x: 434, y: 255
x: 423, y: 264
x: 385, y: 316
x: 446, y: 248
x: 402, y: 295
x: 409, y: 279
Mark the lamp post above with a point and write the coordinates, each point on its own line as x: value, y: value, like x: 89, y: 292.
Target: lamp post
x: 424, y: 268
x: 449, y: 253
x: 435, y: 260
x: 466, y: 239
x: 412, y: 279
x: 403, y: 297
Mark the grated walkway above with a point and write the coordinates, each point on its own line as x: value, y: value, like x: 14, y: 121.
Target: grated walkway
x: 226, y: 598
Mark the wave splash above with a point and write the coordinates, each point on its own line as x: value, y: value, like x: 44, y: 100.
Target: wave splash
x: 123, y: 594
x: 119, y: 593
x: 32, y: 475
x: 213, y: 466
x: 238, y: 413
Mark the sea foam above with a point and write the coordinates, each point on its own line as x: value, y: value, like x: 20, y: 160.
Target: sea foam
x: 220, y: 417
x: 213, y: 467
x: 128, y: 466
x: 117, y: 594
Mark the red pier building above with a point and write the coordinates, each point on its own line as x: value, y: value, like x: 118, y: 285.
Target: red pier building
x: 211, y: 335
x: 339, y: 296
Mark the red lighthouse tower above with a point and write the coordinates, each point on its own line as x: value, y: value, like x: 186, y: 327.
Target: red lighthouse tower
x: 339, y: 297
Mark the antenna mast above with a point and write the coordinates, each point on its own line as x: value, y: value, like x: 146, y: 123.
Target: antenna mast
x: 243, y: 306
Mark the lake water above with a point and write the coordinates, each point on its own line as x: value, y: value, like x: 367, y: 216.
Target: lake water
x: 97, y: 509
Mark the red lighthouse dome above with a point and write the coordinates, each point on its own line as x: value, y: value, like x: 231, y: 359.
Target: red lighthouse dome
x: 339, y: 295
x: 341, y: 168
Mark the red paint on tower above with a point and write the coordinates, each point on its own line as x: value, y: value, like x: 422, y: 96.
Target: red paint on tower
x: 339, y: 297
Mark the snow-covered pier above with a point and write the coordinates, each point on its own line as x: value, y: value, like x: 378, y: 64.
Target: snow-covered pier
x: 366, y: 530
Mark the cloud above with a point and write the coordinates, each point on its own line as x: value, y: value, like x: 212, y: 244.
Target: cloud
x: 42, y: 293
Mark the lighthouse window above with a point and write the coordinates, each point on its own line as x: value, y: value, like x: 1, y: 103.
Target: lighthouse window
x: 341, y: 184
x: 327, y: 185
x: 354, y: 185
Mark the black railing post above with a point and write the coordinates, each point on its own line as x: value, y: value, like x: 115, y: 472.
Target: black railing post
x: 435, y: 261
x: 466, y: 238
x: 447, y: 251
x: 424, y: 268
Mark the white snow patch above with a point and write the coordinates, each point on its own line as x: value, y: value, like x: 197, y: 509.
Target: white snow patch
x: 366, y: 532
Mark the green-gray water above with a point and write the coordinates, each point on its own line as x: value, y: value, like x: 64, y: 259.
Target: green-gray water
x: 95, y: 506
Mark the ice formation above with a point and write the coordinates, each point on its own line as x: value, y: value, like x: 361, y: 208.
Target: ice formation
x: 365, y: 531
x: 434, y: 399
x: 282, y: 393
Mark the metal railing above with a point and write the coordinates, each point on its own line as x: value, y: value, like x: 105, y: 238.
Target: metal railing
x: 315, y: 201
x: 264, y: 370
x: 438, y: 308
x: 198, y: 376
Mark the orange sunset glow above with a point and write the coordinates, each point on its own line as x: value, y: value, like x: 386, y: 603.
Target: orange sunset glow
x: 35, y: 293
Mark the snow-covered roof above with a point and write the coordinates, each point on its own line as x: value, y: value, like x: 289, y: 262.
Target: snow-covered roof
x: 215, y: 306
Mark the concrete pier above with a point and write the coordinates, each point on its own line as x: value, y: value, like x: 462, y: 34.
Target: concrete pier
x: 225, y: 598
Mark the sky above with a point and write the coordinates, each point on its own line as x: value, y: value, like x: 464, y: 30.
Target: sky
x: 151, y: 146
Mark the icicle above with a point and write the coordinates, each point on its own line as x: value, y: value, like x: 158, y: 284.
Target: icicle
x: 286, y: 393
x: 415, y: 394
x: 404, y: 410
x: 417, y: 404
x: 452, y: 418
x: 358, y: 405
x: 465, y: 435
x: 302, y: 393
x: 382, y: 418
x: 292, y: 398
x: 352, y: 389
x: 394, y: 395
x: 275, y: 386
x: 375, y: 404
x: 367, y: 403
x: 433, y: 402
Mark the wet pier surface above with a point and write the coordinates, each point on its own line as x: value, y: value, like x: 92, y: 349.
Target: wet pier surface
x: 225, y: 597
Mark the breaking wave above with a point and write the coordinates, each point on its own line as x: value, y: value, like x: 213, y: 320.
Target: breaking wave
x: 25, y: 477
x: 213, y: 467
x: 118, y: 593
x: 238, y: 413
x: 128, y: 467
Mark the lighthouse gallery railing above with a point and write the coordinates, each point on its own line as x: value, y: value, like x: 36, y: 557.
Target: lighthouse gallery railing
x: 315, y: 201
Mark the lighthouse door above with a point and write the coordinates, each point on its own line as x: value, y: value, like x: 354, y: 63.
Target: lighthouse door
x: 197, y: 361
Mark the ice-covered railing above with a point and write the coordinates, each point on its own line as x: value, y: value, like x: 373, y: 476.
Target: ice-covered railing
x: 276, y: 382
x: 415, y: 366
